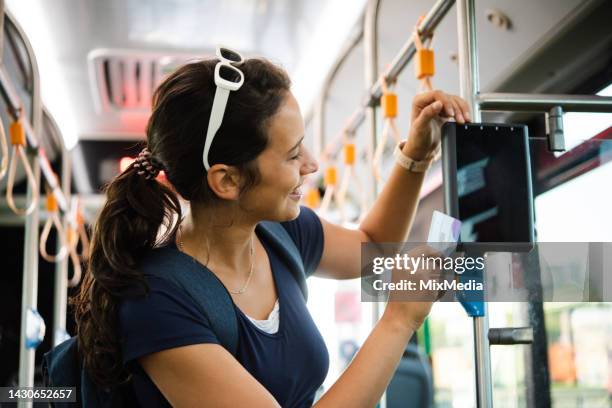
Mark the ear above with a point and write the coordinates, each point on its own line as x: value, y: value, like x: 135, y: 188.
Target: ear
x: 224, y: 181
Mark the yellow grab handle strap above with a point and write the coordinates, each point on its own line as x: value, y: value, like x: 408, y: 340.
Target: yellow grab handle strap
x: 17, y: 133
x: 349, y: 154
x: 331, y: 176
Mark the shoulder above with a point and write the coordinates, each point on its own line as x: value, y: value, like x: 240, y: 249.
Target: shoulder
x: 306, y: 231
x: 161, y: 319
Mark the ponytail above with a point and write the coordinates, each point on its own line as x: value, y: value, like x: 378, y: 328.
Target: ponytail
x: 127, y: 227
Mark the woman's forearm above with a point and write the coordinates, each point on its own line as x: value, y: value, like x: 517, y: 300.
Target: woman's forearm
x: 366, y: 378
x: 391, y: 216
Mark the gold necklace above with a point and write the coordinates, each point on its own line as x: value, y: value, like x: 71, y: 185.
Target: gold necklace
x: 246, y: 284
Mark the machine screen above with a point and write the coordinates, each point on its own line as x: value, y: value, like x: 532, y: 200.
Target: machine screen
x: 488, y: 183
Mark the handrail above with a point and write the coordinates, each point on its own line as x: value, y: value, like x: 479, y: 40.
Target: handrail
x: 543, y: 102
x: 18, y: 142
x: 52, y: 180
x: 53, y: 221
x: 426, y: 28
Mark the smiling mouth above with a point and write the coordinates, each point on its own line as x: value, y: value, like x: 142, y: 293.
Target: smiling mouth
x: 297, y: 193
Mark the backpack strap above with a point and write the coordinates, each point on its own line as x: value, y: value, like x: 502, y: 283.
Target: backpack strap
x: 202, y: 286
x: 280, y: 240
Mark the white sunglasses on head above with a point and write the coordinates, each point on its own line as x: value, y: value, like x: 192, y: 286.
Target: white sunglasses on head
x: 227, y: 78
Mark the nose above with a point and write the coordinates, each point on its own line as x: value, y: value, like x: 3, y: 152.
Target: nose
x: 310, y: 163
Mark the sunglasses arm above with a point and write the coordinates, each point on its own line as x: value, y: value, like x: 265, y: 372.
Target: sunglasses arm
x: 216, y: 117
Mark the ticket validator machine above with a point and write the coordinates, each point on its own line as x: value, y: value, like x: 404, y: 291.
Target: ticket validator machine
x: 487, y: 186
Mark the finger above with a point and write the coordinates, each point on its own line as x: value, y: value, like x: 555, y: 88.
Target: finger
x: 458, y: 113
x: 427, y: 114
x: 465, y: 108
x: 449, y: 108
x: 421, y: 101
x: 424, y: 99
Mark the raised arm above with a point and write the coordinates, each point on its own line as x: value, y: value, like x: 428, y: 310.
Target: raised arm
x: 392, y: 214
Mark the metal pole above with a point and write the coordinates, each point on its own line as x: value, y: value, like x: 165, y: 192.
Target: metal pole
x: 469, y: 88
x: 516, y: 102
x: 30, y: 264
x: 2, y: 6
x: 370, y: 47
x: 29, y: 292
x: 60, y: 290
x: 469, y: 77
x: 318, y: 120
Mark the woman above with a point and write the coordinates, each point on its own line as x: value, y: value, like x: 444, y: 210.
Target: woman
x: 135, y: 326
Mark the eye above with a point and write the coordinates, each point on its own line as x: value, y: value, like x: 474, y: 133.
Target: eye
x: 298, y: 155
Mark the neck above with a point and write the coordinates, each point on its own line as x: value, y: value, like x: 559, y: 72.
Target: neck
x: 226, y: 233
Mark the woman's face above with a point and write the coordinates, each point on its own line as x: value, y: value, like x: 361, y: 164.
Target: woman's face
x: 283, y: 166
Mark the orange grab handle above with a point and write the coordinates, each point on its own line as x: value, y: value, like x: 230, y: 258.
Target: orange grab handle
x: 18, y: 140
x: 17, y: 133
x: 331, y: 176
x: 52, y: 221
x: 51, y: 203
x: 424, y: 63
x: 313, y: 198
x: 388, y: 103
x: 349, y: 154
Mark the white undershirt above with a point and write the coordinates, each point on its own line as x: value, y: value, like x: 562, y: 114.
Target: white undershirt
x: 270, y: 325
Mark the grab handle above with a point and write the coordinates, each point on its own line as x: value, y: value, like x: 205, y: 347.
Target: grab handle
x: 84, y: 237
x: 18, y: 140
x: 77, y: 232
x: 52, y: 221
x: 76, y: 268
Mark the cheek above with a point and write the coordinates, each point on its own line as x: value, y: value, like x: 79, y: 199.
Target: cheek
x: 286, y: 176
x: 278, y: 182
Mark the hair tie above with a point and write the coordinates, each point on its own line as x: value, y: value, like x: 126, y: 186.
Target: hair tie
x: 147, y: 165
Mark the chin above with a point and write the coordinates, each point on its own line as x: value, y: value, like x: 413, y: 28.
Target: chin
x: 292, y: 211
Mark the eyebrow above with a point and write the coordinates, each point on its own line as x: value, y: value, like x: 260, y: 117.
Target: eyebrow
x: 296, y: 145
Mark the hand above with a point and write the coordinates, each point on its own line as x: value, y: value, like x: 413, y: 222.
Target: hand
x: 429, y: 112
x: 409, y: 309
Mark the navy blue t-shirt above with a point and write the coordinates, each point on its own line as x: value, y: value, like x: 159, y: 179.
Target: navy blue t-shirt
x: 291, y: 363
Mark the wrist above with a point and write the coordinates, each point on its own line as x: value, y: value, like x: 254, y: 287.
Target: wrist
x: 400, y: 323
x: 417, y: 153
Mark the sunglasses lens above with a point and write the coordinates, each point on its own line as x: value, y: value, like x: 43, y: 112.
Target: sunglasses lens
x: 230, y: 55
x: 229, y: 74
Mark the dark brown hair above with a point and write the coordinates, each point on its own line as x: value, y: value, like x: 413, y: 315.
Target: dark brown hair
x: 136, y: 208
